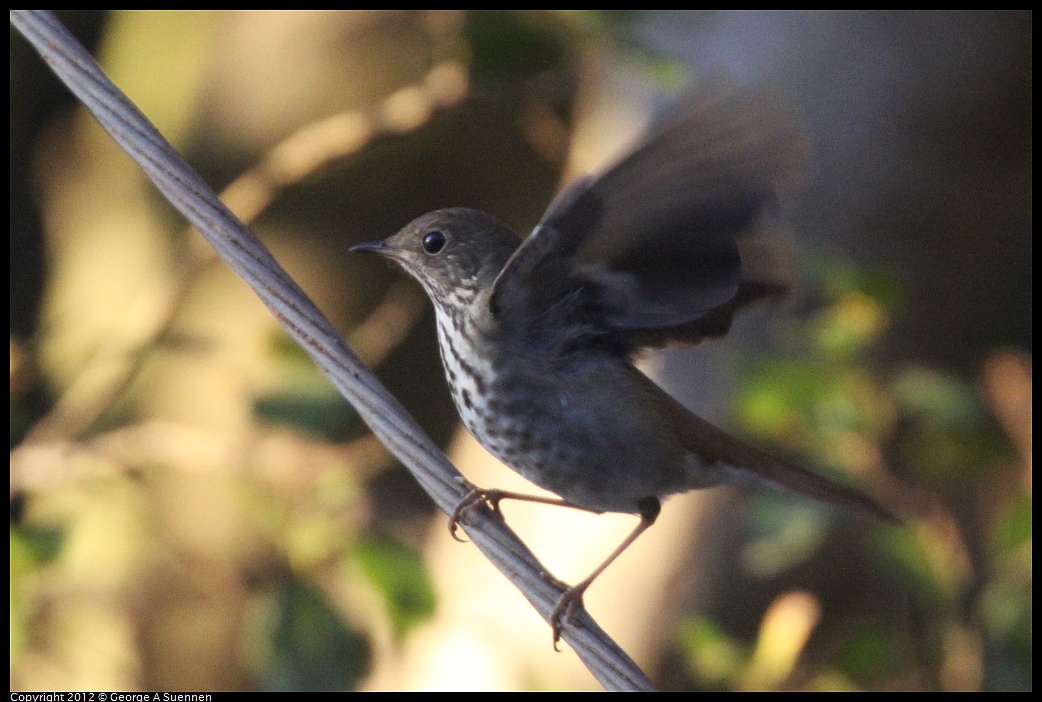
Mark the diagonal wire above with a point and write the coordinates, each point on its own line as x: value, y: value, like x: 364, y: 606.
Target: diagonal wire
x: 241, y: 250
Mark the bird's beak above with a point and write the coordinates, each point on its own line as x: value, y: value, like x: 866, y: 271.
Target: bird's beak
x: 376, y: 247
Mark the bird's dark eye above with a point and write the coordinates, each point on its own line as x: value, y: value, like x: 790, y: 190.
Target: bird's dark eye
x: 434, y: 242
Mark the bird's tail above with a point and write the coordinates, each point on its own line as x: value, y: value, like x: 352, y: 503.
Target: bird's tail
x: 748, y: 464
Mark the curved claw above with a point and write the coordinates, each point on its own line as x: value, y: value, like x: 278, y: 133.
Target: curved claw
x: 565, y: 610
x: 473, y: 498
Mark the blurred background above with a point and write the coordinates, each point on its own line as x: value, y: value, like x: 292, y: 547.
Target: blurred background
x: 193, y: 507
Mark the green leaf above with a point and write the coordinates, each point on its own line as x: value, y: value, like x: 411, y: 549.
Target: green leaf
x: 850, y: 326
x: 509, y: 45
x: 716, y: 658
x: 312, y: 646
x: 869, y: 655
x: 936, y: 398
x: 400, y: 575
x: 786, y: 533
x: 1013, y: 527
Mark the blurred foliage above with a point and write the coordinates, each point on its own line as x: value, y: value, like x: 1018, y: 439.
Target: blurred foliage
x: 302, y: 399
x: 961, y: 560
x: 31, y: 550
x: 506, y: 46
x: 310, y: 646
x: 716, y: 657
x: 399, y: 576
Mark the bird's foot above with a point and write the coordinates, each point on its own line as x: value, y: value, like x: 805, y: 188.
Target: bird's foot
x: 475, y: 497
x: 566, y: 607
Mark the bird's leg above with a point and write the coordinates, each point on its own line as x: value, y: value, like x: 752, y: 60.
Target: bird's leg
x: 573, y: 596
x: 492, y: 498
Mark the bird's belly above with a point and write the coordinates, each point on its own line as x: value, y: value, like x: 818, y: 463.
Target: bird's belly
x: 581, y: 445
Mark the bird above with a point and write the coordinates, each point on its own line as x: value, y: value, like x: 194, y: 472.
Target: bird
x: 538, y: 336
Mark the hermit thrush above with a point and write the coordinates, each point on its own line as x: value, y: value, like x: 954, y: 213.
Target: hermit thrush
x: 537, y: 336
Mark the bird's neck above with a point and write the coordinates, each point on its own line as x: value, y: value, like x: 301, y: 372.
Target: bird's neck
x: 469, y: 358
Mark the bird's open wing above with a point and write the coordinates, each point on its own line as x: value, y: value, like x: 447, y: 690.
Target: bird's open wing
x: 666, y: 245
